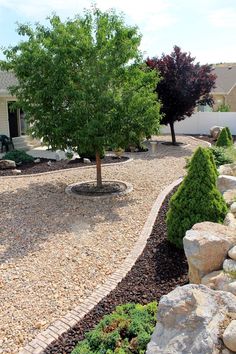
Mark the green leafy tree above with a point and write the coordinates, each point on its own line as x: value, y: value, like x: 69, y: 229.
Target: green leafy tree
x: 82, y: 83
x: 225, y: 138
x: 197, y: 199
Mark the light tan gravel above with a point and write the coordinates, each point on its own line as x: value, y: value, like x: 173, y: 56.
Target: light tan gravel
x: 55, y: 249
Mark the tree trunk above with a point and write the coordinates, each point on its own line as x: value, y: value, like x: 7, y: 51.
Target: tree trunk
x: 99, y: 172
x: 172, y: 133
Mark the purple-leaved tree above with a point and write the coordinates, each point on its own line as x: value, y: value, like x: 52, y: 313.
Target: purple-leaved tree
x: 183, y: 86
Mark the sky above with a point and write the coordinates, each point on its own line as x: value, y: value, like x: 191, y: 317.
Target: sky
x: 205, y: 28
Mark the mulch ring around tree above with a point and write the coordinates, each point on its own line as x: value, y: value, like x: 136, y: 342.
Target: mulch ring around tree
x: 91, y: 189
x: 45, y: 166
x: 160, y: 268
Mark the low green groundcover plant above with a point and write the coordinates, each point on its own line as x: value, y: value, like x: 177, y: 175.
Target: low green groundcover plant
x: 197, y: 199
x: 18, y: 156
x: 221, y: 155
x: 126, y: 331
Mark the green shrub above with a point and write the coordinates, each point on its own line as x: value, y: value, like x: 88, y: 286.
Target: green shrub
x: 221, y: 155
x: 197, y: 199
x: 229, y: 135
x: 230, y: 154
x: 223, y: 108
x: 126, y: 331
x: 223, y: 139
x: 18, y: 156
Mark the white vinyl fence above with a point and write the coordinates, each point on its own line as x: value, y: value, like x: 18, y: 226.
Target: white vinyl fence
x: 201, y: 122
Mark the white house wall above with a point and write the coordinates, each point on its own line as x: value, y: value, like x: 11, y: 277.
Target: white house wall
x: 4, y: 127
x: 201, y: 122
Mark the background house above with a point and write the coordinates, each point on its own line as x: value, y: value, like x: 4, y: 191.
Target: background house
x: 225, y: 91
x: 11, y: 120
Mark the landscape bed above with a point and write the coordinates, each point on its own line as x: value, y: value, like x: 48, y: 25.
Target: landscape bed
x: 160, y: 268
x: 42, y: 166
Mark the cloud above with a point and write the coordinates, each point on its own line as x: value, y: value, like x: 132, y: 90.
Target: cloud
x: 223, y: 18
x: 155, y: 14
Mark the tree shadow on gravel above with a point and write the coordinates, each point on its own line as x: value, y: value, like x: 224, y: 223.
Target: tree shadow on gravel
x: 40, y: 212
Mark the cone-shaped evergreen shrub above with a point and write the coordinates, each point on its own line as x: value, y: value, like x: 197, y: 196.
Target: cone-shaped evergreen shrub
x: 223, y: 139
x: 229, y: 135
x: 197, y: 199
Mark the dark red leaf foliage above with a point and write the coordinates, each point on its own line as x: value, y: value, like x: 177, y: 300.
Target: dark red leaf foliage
x: 183, y: 85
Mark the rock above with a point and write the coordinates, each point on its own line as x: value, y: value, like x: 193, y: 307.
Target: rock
x: 187, y: 313
x: 233, y: 208
x: 230, y: 196
x: 16, y: 172
x: 229, y: 266
x: 60, y: 155
x: 232, y: 253
x: 215, y: 131
x: 226, y: 170
x: 206, y: 246
x: 87, y: 161
x: 37, y: 161
x: 232, y: 287
x: 225, y: 183
x: 230, y: 221
x: 229, y: 336
x: 49, y: 163
x: 217, y: 280
x: 5, y: 164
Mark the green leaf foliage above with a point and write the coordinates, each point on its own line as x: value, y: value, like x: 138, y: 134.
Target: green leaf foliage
x: 197, y: 199
x: 18, y: 156
x: 229, y: 135
x: 82, y: 83
x: 126, y: 331
x: 221, y: 155
x: 225, y: 138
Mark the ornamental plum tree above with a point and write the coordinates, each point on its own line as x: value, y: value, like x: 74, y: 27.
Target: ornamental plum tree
x: 183, y: 86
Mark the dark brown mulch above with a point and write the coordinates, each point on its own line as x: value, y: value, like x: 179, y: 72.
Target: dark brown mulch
x: 32, y: 168
x: 159, y: 269
x: 90, y: 188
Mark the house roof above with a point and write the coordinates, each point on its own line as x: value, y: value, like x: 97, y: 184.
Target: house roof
x: 7, y: 79
x: 226, y: 78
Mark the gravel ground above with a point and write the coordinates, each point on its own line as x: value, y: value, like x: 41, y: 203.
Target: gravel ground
x: 160, y: 268
x: 55, y: 249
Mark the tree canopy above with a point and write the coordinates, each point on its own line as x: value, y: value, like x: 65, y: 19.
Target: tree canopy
x: 82, y: 82
x: 183, y: 85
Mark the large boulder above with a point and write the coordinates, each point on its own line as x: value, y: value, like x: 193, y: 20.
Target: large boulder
x: 224, y: 183
x: 230, y: 196
x: 206, y: 246
x: 228, y: 169
x: 230, y: 220
x: 189, y: 321
x: 215, y: 131
x: 5, y: 164
x: 217, y: 280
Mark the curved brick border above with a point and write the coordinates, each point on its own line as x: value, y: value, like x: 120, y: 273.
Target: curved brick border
x: 68, y: 169
x: 197, y: 139
x: 69, y: 191
x: 62, y: 325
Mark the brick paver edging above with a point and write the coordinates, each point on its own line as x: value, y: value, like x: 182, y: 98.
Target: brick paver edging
x: 130, y: 159
x: 62, y: 325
